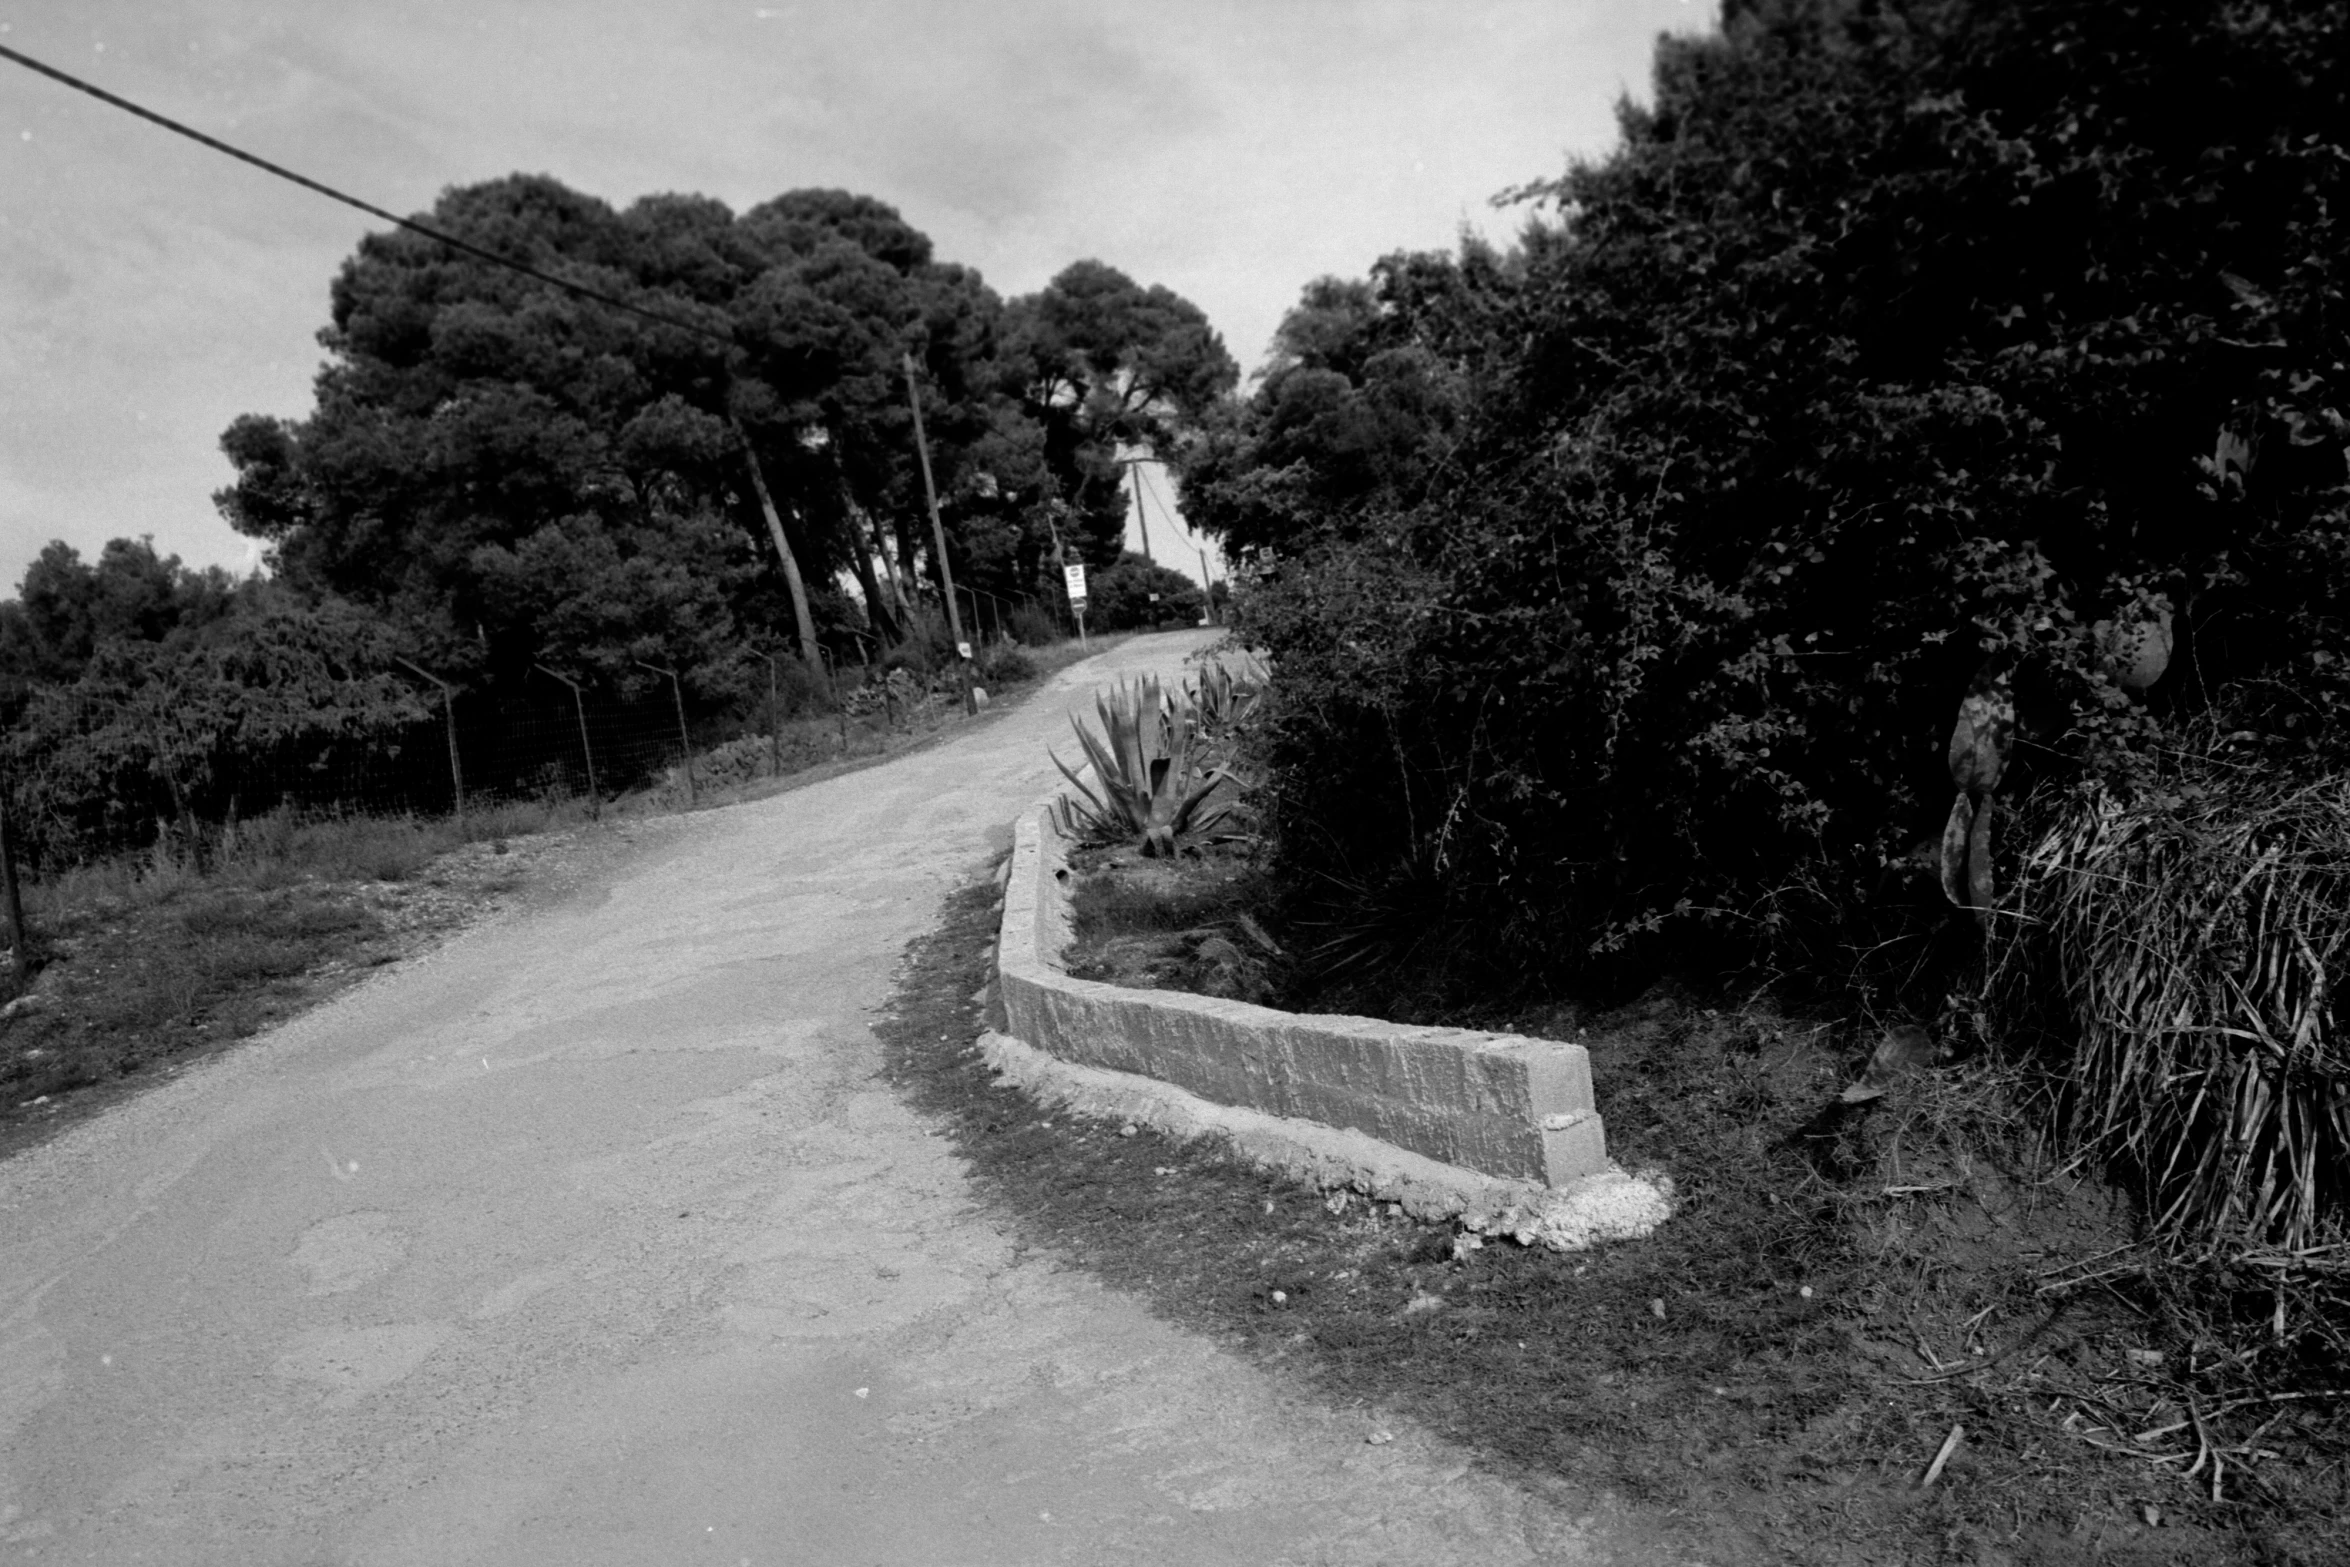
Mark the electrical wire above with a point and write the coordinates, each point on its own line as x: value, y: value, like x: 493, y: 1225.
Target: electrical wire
x: 1166, y: 507
x: 332, y: 194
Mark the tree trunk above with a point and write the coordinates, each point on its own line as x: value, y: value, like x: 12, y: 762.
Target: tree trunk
x: 895, y: 573
x: 938, y: 528
x: 877, y: 609
x: 908, y: 563
x: 791, y: 564
x: 896, y: 620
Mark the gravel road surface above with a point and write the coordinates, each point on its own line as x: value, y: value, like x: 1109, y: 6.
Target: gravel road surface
x: 595, y: 1237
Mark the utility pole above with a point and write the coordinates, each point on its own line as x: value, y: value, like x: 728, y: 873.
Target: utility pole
x: 1141, y: 517
x: 938, y: 533
x: 1207, y: 584
x: 587, y: 752
x: 448, y: 711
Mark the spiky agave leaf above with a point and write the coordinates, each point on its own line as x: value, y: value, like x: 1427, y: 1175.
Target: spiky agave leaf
x: 1223, y: 702
x: 1147, y: 784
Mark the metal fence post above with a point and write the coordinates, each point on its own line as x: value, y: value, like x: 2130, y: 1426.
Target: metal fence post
x: 587, y: 753
x: 832, y: 680
x: 449, y: 712
x: 684, y: 740
x: 20, y: 940
x: 774, y: 719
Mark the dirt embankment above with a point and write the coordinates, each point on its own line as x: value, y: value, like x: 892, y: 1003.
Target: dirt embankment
x: 1874, y: 1251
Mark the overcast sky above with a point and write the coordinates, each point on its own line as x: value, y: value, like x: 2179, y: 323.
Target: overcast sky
x: 151, y: 290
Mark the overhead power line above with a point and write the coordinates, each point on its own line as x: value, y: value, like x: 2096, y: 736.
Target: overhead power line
x: 348, y: 200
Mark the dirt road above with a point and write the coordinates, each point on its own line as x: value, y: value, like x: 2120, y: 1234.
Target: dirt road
x: 595, y: 1238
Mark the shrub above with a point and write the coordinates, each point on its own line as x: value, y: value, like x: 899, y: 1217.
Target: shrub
x: 1004, y: 664
x: 1119, y: 596
x: 1032, y: 625
x: 1898, y: 347
x: 262, y: 706
x: 916, y: 658
x: 797, y: 688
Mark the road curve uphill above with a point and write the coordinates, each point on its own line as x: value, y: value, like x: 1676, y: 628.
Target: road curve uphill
x: 596, y: 1236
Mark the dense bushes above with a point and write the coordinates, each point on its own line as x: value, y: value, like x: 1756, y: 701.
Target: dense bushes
x: 1003, y: 664
x: 1134, y: 593
x: 1899, y: 346
x: 270, y: 701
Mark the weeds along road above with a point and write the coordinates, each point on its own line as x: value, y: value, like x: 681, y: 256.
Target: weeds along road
x: 595, y: 1237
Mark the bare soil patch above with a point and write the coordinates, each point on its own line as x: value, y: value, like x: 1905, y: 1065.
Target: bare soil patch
x: 154, y: 978
x: 1186, y: 923
x: 1769, y: 1378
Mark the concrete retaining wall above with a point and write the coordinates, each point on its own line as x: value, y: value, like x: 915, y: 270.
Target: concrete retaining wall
x: 1504, y: 1107
x: 1328, y: 1157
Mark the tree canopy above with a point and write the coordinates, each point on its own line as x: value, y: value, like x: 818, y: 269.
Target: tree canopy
x: 514, y: 473
x: 1369, y: 383
x: 498, y: 473
x: 67, y: 608
x: 1102, y: 363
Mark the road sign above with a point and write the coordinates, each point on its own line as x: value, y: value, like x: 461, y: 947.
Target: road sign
x: 1075, y: 577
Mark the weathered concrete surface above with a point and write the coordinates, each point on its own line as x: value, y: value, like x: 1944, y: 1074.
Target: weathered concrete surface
x: 1512, y: 1108
x: 595, y: 1238
x: 1325, y: 1156
x: 1612, y: 1205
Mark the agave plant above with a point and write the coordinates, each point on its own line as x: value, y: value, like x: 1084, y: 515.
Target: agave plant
x: 1150, y: 781
x: 1222, y: 701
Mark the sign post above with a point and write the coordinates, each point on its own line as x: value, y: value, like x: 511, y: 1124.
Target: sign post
x: 1074, y: 577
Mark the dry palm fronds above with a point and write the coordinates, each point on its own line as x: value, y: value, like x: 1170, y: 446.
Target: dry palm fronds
x: 2194, y: 941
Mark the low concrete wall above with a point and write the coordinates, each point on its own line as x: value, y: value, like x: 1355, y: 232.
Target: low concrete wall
x: 1507, y: 1108
x: 1332, y: 1158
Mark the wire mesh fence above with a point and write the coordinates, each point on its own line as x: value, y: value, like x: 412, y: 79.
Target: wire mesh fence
x: 89, y: 777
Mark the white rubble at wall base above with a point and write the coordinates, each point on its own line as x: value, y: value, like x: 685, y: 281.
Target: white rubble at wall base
x: 1609, y: 1205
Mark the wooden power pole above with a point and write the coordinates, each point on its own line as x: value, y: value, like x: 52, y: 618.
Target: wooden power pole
x: 1142, y: 518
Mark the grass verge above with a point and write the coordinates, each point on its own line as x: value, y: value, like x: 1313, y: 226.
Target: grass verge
x: 153, y: 963
x: 814, y: 748
x: 1769, y: 1378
